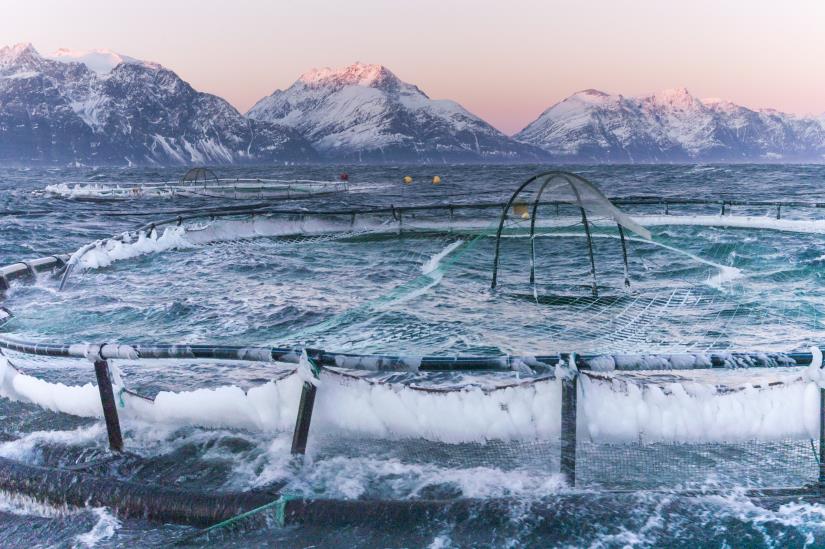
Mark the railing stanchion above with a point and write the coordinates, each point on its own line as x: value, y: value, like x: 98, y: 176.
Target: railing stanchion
x: 822, y: 439
x: 107, y: 399
x: 302, y: 422
x: 568, y: 428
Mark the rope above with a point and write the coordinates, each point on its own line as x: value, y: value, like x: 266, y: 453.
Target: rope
x: 279, y: 505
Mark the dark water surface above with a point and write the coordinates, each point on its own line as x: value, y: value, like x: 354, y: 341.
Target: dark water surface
x: 755, y: 289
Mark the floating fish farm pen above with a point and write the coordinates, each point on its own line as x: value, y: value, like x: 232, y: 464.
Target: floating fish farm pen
x: 198, y: 183
x: 603, y: 346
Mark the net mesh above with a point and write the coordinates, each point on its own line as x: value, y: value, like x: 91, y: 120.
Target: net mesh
x: 709, y: 465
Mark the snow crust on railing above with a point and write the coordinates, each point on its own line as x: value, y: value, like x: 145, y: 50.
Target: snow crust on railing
x: 784, y: 405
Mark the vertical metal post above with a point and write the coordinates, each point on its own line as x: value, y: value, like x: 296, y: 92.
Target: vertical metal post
x: 822, y: 439
x: 590, y: 253
x: 107, y: 399
x: 301, y: 433
x: 302, y: 422
x: 624, y: 256
x: 568, y: 430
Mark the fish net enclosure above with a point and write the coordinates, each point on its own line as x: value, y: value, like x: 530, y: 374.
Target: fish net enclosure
x: 552, y: 344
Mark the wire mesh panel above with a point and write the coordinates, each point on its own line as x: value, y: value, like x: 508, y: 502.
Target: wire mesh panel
x: 697, y: 465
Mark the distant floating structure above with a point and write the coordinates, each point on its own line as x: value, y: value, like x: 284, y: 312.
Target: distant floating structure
x: 200, y: 182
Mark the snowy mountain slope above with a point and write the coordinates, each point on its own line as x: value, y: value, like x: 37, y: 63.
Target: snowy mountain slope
x: 365, y: 113
x: 671, y: 126
x: 125, y: 111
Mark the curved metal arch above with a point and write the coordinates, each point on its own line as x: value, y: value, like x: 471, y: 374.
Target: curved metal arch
x: 504, y: 217
x: 199, y: 174
x: 549, y: 177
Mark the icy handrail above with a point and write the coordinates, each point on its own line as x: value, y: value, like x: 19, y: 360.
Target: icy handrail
x: 371, y: 362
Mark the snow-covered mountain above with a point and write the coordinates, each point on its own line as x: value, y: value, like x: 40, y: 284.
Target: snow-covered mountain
x: 671, y: 126
x: 365, y: 113
x: 102, y: 108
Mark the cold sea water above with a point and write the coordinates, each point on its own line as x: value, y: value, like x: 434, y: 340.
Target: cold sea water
x: 418, y: 283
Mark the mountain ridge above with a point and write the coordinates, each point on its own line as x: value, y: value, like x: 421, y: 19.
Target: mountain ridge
x: 364, y: 111
x: 671, y: 126
x: 99, y: 107
x: 137, y: 113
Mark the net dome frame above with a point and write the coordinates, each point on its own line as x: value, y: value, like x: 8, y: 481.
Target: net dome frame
x: 567, y: 188
x: 199, y: 176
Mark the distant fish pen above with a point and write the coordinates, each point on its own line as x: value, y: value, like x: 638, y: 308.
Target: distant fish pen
x: 198, y: 183
x: 642, y: 407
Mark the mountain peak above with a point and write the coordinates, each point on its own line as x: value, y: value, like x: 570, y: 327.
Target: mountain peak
x: 363, y: 112
x: 679, y: 97
x: 10, y: 54
x: 721, y: 105
x: 591, y: 96
x: 592, y: 92
x: 670, y: 126
x: 99, y: 60
x: 357, y: 74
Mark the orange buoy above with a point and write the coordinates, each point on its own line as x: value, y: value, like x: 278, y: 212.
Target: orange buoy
x: 522, y: 210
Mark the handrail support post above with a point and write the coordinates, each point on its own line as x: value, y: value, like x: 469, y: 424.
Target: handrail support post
x: 305, y: 407
x: 568, y: 428
x: 107, y: 399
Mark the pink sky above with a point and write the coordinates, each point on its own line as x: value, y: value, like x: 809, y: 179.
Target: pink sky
x: 505, y: 61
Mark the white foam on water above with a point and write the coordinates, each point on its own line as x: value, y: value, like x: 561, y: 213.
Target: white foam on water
x: 808, y: 518
x: 104, y: 529
x: 25, y: 447
x: 434, y: 273
x: 726, y: 272
x: 434, y: 262
x: 352, y: 478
